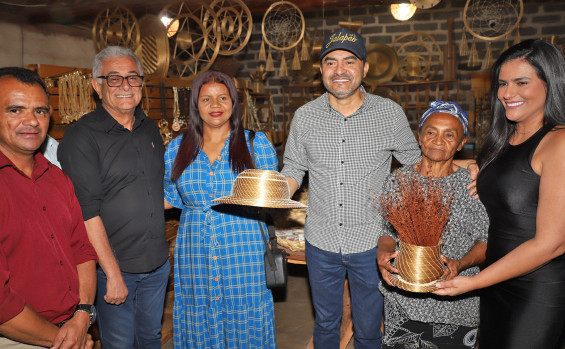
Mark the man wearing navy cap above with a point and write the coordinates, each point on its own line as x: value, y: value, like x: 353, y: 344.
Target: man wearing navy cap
x: 345, y: 139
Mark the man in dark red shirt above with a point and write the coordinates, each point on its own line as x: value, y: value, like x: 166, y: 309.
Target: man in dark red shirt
x: 47, y: 264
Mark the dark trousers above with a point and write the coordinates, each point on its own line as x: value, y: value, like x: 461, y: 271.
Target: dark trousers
x: 327, y: 272
x: 137, y: 322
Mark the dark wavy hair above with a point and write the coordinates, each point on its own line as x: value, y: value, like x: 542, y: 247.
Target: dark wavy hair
x: 192, y: 140
x: 25, y: 76
x: 549, y: 66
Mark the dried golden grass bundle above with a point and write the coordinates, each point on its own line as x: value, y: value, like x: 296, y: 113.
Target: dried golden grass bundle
x: 417, y: 208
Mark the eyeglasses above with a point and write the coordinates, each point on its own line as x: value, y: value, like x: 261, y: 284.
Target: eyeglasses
x: 118, y: 80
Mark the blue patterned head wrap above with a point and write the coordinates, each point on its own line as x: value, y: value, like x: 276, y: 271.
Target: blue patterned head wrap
x: 448, y: 108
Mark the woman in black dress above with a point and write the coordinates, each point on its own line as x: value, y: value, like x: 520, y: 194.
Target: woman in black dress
x: 522, y: 186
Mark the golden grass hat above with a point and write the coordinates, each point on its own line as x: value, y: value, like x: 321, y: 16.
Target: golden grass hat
x: 261, y: 188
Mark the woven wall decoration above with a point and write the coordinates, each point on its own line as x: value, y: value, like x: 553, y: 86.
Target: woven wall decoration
x: 283, y: 29
x: 115, y: 26
x: 489, y: 20
x: 190, y: 51
x: 234, y: 26
x: 419, y: 56
x: 153, y: 49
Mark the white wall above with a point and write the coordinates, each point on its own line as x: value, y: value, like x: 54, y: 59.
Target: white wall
x: 11, y: 45
x: 25, y: 44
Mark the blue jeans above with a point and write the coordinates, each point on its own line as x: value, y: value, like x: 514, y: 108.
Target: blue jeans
x: 137, y: 322
x: 327, y: 272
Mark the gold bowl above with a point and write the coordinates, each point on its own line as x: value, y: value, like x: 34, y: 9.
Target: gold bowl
x: 420, y: 267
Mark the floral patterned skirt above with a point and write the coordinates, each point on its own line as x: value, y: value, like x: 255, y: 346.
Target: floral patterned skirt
x: 403, y: 333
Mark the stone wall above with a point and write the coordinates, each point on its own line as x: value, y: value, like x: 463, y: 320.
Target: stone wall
x: 541, y: 18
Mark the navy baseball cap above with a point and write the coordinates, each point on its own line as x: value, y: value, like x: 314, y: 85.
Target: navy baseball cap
x: 344, y: 39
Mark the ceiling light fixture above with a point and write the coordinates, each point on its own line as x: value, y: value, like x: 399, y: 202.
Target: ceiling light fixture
x: 402, y: 11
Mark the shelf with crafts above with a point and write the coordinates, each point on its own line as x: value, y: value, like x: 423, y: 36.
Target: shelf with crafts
x: 257, y: 112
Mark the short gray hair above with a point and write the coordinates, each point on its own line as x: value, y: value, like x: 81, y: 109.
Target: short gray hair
x: 113, y: 52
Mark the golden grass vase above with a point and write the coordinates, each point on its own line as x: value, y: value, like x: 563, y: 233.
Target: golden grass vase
x: 419, y: 264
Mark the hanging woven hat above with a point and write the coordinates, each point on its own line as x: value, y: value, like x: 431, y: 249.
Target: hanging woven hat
x: 261, y: 188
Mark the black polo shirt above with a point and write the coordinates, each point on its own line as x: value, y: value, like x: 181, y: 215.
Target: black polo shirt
x: 118, y: 175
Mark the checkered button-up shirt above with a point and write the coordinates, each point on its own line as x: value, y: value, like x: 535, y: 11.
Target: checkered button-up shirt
x: 347, y: 160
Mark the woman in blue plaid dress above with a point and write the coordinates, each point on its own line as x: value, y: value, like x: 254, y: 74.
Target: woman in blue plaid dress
x: 221, y: 300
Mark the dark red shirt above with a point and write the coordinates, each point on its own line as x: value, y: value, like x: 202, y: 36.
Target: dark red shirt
x: 42, y: 240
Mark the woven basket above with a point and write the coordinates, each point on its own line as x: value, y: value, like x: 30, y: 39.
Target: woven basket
x: 420, y: 267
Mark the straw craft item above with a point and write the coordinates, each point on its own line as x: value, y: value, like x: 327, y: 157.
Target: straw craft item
x: 418, y: 209
x: 420, y: 267
x: 293, y: 245
x: 260, y: 188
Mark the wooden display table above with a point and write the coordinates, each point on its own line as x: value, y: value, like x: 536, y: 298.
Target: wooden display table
x: 346, y: 329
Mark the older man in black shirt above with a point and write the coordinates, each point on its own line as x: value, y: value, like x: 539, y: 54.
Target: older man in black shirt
x: 114, y: 157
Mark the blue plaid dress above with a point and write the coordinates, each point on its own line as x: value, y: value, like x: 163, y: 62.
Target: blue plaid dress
x: 221, y: 300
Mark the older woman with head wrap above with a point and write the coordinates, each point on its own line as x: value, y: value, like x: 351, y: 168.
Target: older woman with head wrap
x: 425, y: 320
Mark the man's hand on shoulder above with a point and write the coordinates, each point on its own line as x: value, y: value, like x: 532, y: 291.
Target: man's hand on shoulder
x: 73, y: 334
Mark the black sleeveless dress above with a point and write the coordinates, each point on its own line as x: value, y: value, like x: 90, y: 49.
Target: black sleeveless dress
x: 526, y: 312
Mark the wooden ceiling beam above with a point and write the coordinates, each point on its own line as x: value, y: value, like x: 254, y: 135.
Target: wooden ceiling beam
x: 260, y: 6
x: 73, y: 12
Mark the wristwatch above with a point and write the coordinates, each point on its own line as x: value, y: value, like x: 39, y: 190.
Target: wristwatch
x: 88, y: 308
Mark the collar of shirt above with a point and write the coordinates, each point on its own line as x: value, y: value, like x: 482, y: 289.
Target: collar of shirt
x: 39, y: 167
x: 359, y: 110
x: 109, y: 123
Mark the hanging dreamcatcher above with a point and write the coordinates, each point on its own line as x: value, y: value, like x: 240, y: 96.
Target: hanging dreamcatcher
x: 115, y: 26
x: 419, y: 56
x: 283, y: 29
x: 234, y: 26
x: 489, y: 20
x: 192, y: 24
